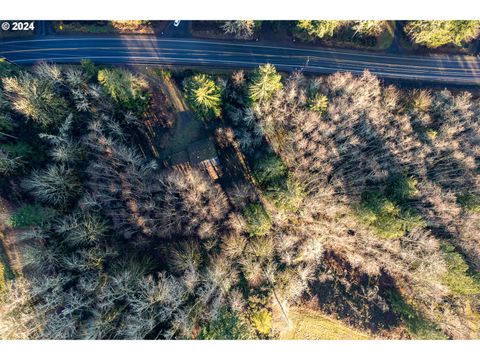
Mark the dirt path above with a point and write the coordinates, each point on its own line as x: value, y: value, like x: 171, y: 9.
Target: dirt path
x: 187, y: 128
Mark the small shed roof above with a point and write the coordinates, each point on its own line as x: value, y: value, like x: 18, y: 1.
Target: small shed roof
x: 201, y: 150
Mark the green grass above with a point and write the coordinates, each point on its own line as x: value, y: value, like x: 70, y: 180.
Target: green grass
x: 312, y: 325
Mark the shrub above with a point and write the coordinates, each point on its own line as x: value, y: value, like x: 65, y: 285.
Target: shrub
x: 269, y: 169
x: 389, y: 213
x: 5, y: 271
x: 261, y: 248
x: 19, y: 149
x: 228, y: 326
x: 289, y: 196
x: 458, y: 279
x: 285, y: 192
x: 310, y: 30
x: 30, y: 215
x: 3, y: 275
x: 421, y: 100
x: 89, y: 68
x: 6, y: 68
x: 6, y: 123
x: 82, y: 228
x: 258, y: 223
x: 386, y: 217
x: 9, y: 164
x: 369, y: 27
x: 164, y: 74
x: 470, y: 202
x: 262, y: 321
x: 401, y: 188
x: 3, y: 284
x: 241, y: 29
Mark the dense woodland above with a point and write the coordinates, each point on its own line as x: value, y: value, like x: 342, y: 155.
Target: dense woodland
x: 412, y: 35
x: 355, y: 198
x: 420, y: 33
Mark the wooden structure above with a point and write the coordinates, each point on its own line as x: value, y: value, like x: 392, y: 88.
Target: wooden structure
x: 200, y: 154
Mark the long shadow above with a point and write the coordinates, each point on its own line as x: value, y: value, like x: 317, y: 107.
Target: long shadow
x: 354, y: 303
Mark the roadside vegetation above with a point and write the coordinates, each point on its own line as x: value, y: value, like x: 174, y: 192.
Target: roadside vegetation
x: 116, y: 26
x: 340, y: 198
x: 423, y: 36
x: 436, y: 33
x: 364, y: 32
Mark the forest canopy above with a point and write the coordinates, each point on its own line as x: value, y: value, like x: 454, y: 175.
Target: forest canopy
x: 436, y: 33
x: 339, y: 193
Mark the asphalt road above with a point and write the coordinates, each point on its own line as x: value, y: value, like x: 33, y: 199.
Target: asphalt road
x: 130, y: 49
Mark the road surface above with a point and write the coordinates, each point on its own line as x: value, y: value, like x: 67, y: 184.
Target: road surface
x: 135, y: 49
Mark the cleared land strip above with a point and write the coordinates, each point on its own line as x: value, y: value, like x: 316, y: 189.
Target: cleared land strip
x: 312, y: 325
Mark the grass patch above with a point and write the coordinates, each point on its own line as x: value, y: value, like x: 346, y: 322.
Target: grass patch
x: 312, y: 325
